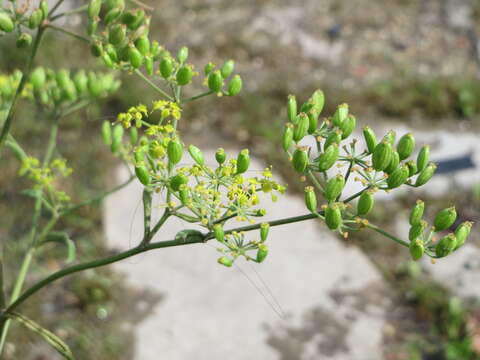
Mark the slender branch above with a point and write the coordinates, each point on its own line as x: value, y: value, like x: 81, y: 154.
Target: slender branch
x: 149, y: 82
x: 70, y: 12
x: 158, y: 225
x: 147, y: 212
x: 68, y: 32
x: 55, y: 7
x: 386, y: 234
x: 315, y: 181
x: 198, y: 96
x: 354, y: 196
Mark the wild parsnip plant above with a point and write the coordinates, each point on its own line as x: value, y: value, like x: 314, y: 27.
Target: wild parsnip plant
x: 147, y: 139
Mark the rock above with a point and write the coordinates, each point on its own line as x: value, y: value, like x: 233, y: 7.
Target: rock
x: 330, y: 300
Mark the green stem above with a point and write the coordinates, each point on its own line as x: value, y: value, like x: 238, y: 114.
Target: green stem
x: 388, y: 235
x: 149, y: 82
x: 147, y: 212
x: 315, y: 181
x: 55, y: 7
x: 198, y: 96
x: 70, y: 12
x: 68, y: 32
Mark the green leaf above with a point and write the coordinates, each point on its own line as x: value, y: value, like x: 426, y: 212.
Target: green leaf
x: 47, y: 335
x: 62, y: 237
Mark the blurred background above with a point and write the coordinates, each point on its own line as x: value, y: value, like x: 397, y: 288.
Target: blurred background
x: 407, y: 65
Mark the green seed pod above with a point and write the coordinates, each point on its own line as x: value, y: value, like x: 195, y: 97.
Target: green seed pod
x: 184, y: 195
x: 208, y: 68
x: 92, y: 26
x: 135, y: 57
x: 44, y: 7
x: 112, y: 15
x: 264, y: 228
x: 184, y: 75
x: 178, y: 180
x: 287, y: 138
x: 96, y: 49
x: 220, y: 156
x: 312, y: 121
x: 196, y: 155
x: 416, y: 213
x: 182, y: 54
x: 35, y: 19
x: 334, y: 187
x: 310, y: 199
x: 24, y: 40
x: 390, y: 137
x: 318, y: 100
x: 426, y: 174
x: 262, y: 252
x: 142, y: 175
x: 423, y: 157
x: 300, y: 160
x: 155, y: 50
x: 328, y: 158
x: 174, y: 152
x: 301, y: 127
x: 148, y: 61
x: 117, y: 34
x: 117, y: 135
x: 405, y: 146
x: 398, y: 177
x: 235, y: 85
x: 107, y: 133
x: 166, y: 67
x: 62, y: 77
x: 143, y: 45
x: 215, y: 81
x: 382, y: 155
x: 365, y: 203
x: 139, y: 17
x: 462, y: 232
x: 370, y: 139
x: 243, y: 161
x: 95, y: 88
x: 446, y: 245
x: 139, y: 155
x: 412, y: 168
x: 38, y: 78
x: 133, y: 136
x: 416, y: 249
x: 225, y: 261
x: 347, y: 126
x: 292, y: 108
x: 333, y: 216
x: 227, y: 68
x: 218, y: 232
x: 416, y: 230
x: 394, y: 162
x: 340, y: 115
x: 335, y: 137
x: 94, y: 9
x: 445, y: 218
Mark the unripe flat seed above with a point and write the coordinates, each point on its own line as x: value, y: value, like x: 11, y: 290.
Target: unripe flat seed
x: 382, y: 155
x: 287, y: 138
x: 446, y: 245
x: 235, y: 86
x: 347, y: 126
x: 166, y: 67
x: 300, y: 160
x: 444, y: 219
x: 215, y: 81
x: 462, y: 232
x: 394, y: 162
x: 310, y: 199
x: 184, y: 75
x: 398, y: 177
x: 292, y: 108
x: 405, y: 146
x: 426, y: 174
x: 262, y: 252
x: 423, y: 158
x: 227, y: 68
x: 333, y: 217
x: 365, y: 203
x: 174, y: 151
x: 196, y: 155
x: 328, y: 158
x: 243, y: 161
x: 416, y: 249
x: 301, y: 127
x: 340, y: 115
x: 334, y: 187
x: 416, y: 213
x: 370, y: 139
x: 335, y: 137
x: 142, y: 174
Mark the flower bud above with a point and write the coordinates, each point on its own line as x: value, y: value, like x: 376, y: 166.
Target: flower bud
x: 340, y: 115
x: 310, y: 199
x: 462, y: 232
x: 416, y: 230
x: 262, y: 252
x: 292, y: 108
x: 423, y: 157
x: 107, y: 133
x: 177, y: 181
x: 38, y: 78
x: 117, y: 135
x: 24, y: 40
x: 133, y: 135
x: 44, y: 7
x: 390, y: 137
x: 405, y: 146
x: 347, y: 126
x: 182, y: 54
x: 135, y: 57
x: 370, y: 139
x: 382, y: 155
x: 235, y: 86
x: 94, y: 7
x: 333, y: 216
x: 227, y: 68
x: 287, y: 137
x: 184, y: 75
x: 243, y: 161
x: 335, y: 137
x: 412, y: 168
x: 444, y: 219
x: 300, y: 160
x: 301, y: 127
x: 184, y: 195
x: 225, y: 261
x: 116, y: 34
x: 416, y: 213
x: 143, y: 44
x: 218, y: 232
x: 398, y: 177
x: 426, y: 174
x: 196, y: 155
x: 264, y: 228
x: 142, y: 175
x: 318, y: 100
x: 174, y: 151
x: 220, y: 156
x: 35, y: 19
x: 208, y: 68
x: 416, y: 249
x: 365, y: 203
x: 166, y: 67
x: 215, y: 81
x: 334, y: 187
x: 328, y: 158
x: 446, y: 245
